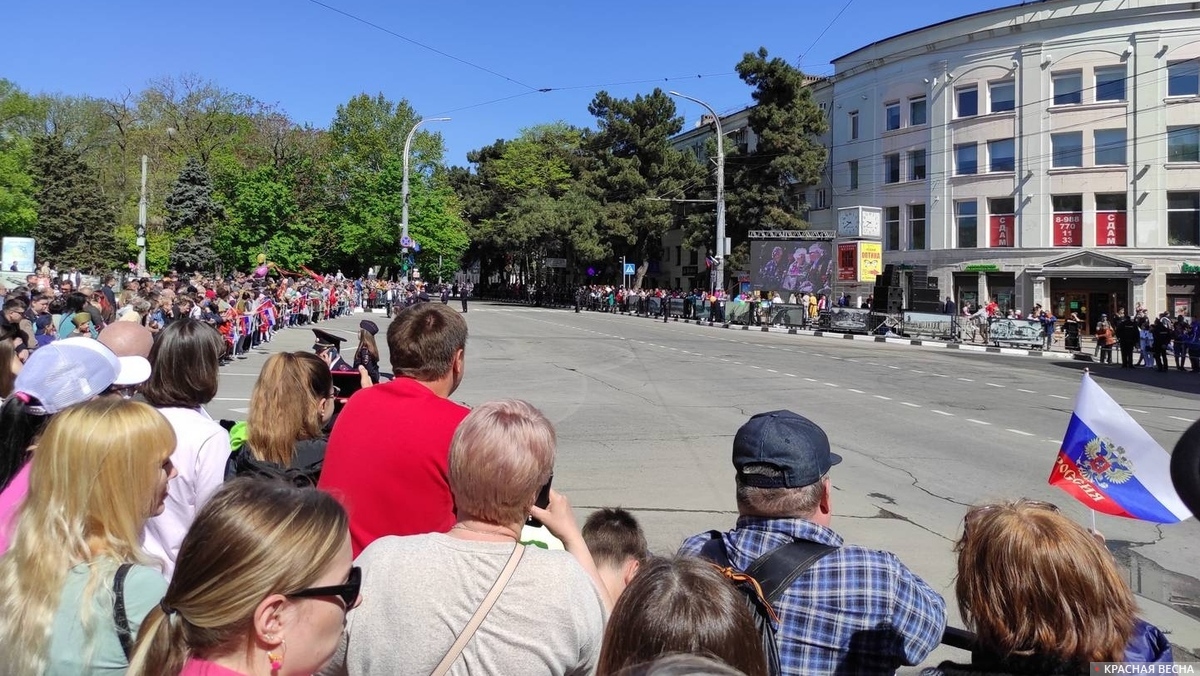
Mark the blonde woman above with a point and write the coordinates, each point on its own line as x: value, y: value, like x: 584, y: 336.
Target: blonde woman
x: 70, y: 600
x: 292, y: 402
x: 274, y: 601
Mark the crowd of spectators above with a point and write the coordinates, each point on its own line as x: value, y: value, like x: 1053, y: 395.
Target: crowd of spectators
x: 138, y: 535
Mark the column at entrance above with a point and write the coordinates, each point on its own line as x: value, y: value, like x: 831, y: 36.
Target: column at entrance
x: 1039, y: 292
x: 985, y: 295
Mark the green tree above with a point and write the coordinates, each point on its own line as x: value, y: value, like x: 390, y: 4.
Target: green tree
x: 20, y: 117
x: 192, y: 219
x: 75, y: 225
x: 768, y: 185
x: 638, y: 165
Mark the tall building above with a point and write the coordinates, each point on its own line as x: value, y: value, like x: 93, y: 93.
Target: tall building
x: 1046, y: 153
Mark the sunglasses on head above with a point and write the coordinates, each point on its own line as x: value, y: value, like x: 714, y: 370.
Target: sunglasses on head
x: 347, y: 592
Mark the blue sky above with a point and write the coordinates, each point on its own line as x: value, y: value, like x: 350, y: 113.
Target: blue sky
x: 307, y: 58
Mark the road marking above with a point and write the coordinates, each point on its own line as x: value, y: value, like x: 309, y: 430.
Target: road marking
x: 993, y: 385
x: 830, y: 384
x: 755, y: 367
x: 854, y: 361
x: 811, y: 380
x: 1175, y: 417
x: 772, y: 371
x: 966, y: 380
x: 856, y: 391
x: 978, y: 422
x: 905, y: 403
x: 893, y: 367
x: 790, y: 375
x: 737, y: 363
x: 871, y: 363
x: 938, y: 375
x: 915, y: 371
x: 880, y: 396
x: 1021, y: 432
x: 1135, y: 410
x: 1026, y: 391
x: 943, y: 413
x: 1059, y: 396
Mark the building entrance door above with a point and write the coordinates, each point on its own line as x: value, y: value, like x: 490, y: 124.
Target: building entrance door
x: 1067, y: 302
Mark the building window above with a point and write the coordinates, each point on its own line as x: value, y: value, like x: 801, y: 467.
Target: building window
x: 822, y: 199
x: 916, y: 165
x: 1000, y: 155
x: 916, y: 227
x: 1001, y: 96
x: 694, y: 257
x: 1001, y: 221
x: 892, y: 115
x: 853, y: 125
x: 891, y: 170
x: 1183, y: 78
x: 1110, y: 146
x: 1068, y: 220
x: 1110, y: 83
x: 917, y: 112
x: 966, y: 216
x: 891, y: 228
x: 678, y: 255
x: 1183, y: 218
x: 1067, y: 148
x: 853, y: 168
x: 967, y: 99
x: 966, y: 159
x: 1183, y: 144
x: 1068, y: 88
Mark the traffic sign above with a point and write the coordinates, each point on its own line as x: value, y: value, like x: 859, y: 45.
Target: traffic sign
x: 406, y: 241
x: 630, y: 269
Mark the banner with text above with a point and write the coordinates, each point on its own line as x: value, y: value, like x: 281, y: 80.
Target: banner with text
x: 1068, y: 229
x: 1110, y: 228
x: 870, y: 261
x: 1001, y: 230
x: 847, y: 261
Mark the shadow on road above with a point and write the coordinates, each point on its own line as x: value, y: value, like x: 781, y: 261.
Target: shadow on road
x: 1178, y: 382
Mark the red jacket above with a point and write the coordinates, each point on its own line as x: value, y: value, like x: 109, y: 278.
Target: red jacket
x: 387, y: 461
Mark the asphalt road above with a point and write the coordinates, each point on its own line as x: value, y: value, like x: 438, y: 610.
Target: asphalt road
x: 646, y: 413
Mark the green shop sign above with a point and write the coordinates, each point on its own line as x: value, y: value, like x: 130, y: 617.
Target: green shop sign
x: 981, y: 267
x: 1188, y: 268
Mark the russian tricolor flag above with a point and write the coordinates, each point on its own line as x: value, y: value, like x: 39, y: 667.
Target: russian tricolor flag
x: 1109, y: 463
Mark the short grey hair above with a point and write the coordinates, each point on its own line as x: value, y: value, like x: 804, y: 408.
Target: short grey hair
x: 778, y: 503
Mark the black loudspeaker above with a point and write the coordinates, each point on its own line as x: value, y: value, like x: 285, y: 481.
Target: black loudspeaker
x: 889, y: 277
x: 924, y: 296
x: 926, y: 306
x: 888, y: 299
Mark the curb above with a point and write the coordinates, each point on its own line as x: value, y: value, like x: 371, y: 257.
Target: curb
x: 988, y: 349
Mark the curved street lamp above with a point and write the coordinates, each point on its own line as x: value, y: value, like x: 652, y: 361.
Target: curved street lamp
x: 721, y: 252
x: 404, y: 239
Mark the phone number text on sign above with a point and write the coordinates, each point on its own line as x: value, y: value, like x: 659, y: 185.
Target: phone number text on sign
x: 1068, y: 229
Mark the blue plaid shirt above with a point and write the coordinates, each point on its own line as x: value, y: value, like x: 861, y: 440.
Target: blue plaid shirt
x: 856, y: 611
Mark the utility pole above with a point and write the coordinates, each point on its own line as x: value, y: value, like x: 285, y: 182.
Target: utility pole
x: 405, y: 241
x: 624, y: 277
x: 141, y: 231
x: 722, y: 253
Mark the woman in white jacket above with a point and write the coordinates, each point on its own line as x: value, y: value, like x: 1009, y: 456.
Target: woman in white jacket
x: 185, y: 363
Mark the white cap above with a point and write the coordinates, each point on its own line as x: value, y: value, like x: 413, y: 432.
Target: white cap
x: 133, y: 370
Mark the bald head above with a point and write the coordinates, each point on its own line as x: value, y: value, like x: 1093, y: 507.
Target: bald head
x: 127, y: 339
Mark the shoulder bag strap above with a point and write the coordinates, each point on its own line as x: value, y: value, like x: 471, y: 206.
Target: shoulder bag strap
x: 124, y: 634
x: 714, y: 550
x: 490, y: 600
x: 776, y: 570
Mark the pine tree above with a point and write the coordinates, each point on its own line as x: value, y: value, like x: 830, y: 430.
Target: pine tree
x: 75, y: 225
x: 192, y: 216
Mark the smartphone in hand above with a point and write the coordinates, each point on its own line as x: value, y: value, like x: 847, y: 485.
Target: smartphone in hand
x: 542, y: 501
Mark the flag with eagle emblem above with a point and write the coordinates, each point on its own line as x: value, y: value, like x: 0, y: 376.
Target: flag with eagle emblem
x: 1109, y: 463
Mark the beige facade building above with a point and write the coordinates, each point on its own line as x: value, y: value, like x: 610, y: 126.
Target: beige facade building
x: 1046, y: 153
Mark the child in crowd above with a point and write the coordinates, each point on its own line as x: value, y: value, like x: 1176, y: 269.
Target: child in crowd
x: 618, y: 547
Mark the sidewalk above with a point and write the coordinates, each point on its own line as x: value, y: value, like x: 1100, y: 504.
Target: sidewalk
x: 1088, y: 347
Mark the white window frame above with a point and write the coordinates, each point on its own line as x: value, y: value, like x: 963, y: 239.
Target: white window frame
x: 912, y: 221
x: 958, y: 148
x: 854, y: 129
x: 1185, y: 72
x: 888, y: 223
x: 1107, y: 146
x: 889, y: 161
x: 1173, y: 135
x: 1067, y: 76
x: 958, y: 218
x: 924, y: 111
x: 958, y: 93
x: 1009, y: 83
x: 887, y: 116
x: 1055, y: 152
x: 1123, y: 73
x: 912, y: 164
x: 1012, y: 144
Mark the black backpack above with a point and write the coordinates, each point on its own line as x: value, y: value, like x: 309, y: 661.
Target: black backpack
x: 764, y: 581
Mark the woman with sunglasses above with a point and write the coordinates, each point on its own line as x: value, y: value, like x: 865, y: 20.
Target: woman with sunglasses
x: 290, y: 410
x: 261, y: 587
x: 1044, y: 596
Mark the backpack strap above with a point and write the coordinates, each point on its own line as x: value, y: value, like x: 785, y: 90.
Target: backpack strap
x: 120, y: 620
x: 776, y: 570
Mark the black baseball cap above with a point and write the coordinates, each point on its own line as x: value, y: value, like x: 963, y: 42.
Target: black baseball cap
x: 784, y: 441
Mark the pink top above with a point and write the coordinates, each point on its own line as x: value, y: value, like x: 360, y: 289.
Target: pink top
x: 10, y: 501
x: 198, y: 667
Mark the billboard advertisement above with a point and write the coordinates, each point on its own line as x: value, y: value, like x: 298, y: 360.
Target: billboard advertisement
x: 847, y: 261
x: 1110, y: 228
x: 1067, y: 229
x: 792, y: 266
x: 870, y: 261
x: 17, y: 254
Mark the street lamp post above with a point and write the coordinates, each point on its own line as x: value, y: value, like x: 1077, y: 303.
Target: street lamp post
x: 141, y: 230
x: 404, y: 240
x: 719, y: 271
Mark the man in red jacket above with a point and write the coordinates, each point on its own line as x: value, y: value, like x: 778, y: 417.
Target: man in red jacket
x: 387, y: 456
